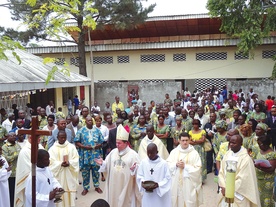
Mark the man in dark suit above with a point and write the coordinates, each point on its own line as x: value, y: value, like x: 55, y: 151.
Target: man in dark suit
x: 74, y: 126
x: 26, y: 122
x: 271, y: 123
x: 112, y: 136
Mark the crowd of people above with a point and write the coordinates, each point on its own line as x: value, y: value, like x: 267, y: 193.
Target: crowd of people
x: 145, y: 153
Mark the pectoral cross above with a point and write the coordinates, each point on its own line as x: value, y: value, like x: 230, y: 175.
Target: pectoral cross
x: 151, y: 171
x: 35, y: 133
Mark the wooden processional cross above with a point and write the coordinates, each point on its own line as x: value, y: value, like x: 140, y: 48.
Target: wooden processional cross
x: 35, y: 133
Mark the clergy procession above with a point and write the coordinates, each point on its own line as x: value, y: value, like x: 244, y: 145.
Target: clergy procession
x: 146, y: 153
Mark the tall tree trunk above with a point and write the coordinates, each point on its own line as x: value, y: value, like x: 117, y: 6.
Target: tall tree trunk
x: 81, y: 48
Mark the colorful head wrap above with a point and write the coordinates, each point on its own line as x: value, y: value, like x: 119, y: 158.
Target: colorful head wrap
x: 178, y: 117
x: 221, y: 124
x: 263, y: 126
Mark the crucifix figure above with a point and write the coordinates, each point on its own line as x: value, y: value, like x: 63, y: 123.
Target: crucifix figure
x: 151, y: 171
x: 35, y: 133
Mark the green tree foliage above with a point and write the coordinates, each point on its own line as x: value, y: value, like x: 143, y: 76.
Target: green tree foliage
x: 7, y: 43
x: 47, y: 19
x: 248, y: 20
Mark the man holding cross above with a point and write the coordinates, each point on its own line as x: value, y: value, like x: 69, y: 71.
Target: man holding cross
x: 27, y: 161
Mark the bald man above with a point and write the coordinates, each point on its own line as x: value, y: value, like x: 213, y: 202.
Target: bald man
x: 246, y: 189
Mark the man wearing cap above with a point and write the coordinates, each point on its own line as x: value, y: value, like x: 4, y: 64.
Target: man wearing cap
x: 121, y: 164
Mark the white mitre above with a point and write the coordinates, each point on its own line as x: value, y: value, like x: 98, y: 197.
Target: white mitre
x: 122, y: 133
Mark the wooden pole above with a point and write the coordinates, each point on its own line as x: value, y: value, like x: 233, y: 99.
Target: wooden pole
x: 35, y: 133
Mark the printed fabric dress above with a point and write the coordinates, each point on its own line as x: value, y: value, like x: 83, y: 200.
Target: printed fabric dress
x: 200, y: 149
x: 266, y: 181
x: 175, y: 132
x: 163, y: 130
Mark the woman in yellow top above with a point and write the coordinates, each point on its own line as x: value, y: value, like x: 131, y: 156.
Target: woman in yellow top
x: 197, y: 140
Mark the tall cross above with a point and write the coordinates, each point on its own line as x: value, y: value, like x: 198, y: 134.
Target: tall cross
x: 35, y: 133
x: 151, y: 171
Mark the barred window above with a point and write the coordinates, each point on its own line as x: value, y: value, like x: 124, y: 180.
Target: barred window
x: 74, y: 61
x: 267, y: 54
x: 240, y: 56
x: 60, y: 61
x: 152, y: 58
x: 152, y: 81
x: 179, y: 57
x: 123, y: 59
x: 211, y: 56
x: 103, y: 60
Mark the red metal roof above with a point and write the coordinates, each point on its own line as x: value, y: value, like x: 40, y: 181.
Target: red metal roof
x: 159, y: 28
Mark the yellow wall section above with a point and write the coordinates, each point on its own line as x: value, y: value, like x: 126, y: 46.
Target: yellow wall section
x: 169, y: 70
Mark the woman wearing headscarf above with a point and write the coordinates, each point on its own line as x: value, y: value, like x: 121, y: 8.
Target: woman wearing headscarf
x: 220, y: 136
x: 177, y: 130
x: 253, y: 146
x: 247, y: 134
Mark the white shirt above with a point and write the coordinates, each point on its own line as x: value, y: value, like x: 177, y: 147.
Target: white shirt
x: 78, y: 112
x: 104, y: 130
x: 7, y: 124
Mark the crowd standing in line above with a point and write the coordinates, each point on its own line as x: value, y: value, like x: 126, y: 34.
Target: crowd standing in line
x: 174, y: 145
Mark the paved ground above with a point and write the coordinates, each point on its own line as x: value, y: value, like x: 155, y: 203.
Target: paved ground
x: 209, y: 190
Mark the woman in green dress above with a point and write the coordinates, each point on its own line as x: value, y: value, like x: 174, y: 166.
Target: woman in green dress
x: 246, y: 134
x: 253, y: 147
x: 138, y: 132
x: 177, y: 130
x: 162, y: 130
x: 265, y: 174
x: 258, y: 115
x: 220, y: 136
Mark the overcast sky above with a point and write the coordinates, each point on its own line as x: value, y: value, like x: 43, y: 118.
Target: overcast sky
x: 163, y: 7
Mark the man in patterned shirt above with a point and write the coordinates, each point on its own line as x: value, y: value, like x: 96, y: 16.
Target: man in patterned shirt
x: 89, y: 139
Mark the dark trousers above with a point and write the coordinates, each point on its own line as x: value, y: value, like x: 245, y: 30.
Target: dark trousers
x: 11, y: 189
x: 210, y: 160
x: 169, y: 144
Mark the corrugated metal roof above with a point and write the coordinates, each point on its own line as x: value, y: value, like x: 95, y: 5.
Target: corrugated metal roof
x: 32, y: 73
x: 144, y: 46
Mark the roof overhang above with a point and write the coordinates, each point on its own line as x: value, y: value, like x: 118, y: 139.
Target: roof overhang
x: 31, y: 74
x: 196, y: 24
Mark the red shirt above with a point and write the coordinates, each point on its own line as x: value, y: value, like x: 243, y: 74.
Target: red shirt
x: 269, y: 103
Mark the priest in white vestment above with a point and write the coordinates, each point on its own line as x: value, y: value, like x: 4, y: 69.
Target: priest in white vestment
x: 151, y: 138
x: 23, y: 170
x: 121, y: 164
x: 155, y: 169
x: 47, y: 186
x: 64, y: 164
x: 5, y: 172
x: 185, y: 167
x: 246, y: 188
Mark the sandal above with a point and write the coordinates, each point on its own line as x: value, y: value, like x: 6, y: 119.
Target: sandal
x: 84, y: 192
x: 98, y: 190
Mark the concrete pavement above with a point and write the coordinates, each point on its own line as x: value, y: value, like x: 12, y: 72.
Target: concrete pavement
x: 210, y: 195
